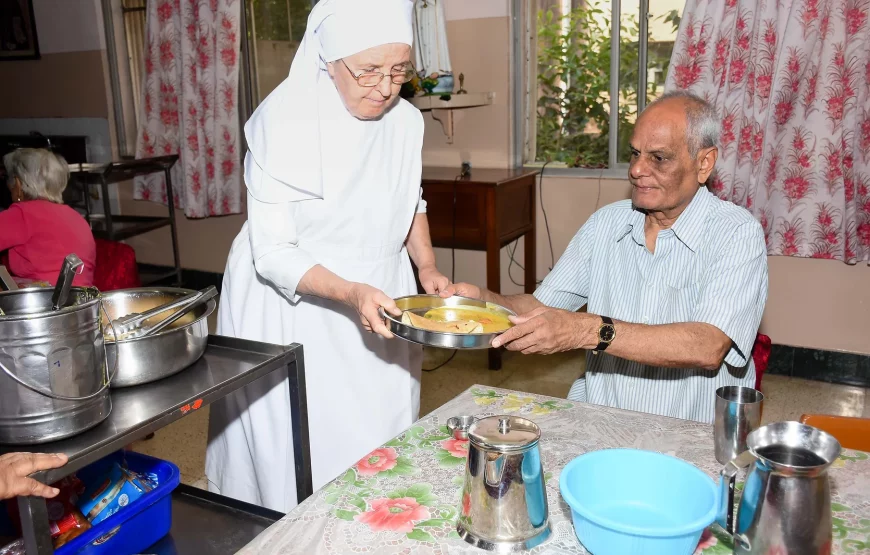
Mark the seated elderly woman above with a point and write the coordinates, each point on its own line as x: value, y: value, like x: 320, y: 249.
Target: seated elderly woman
x: 38, y: 230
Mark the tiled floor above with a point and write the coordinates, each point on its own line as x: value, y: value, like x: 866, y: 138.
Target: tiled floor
x: 786, y: 398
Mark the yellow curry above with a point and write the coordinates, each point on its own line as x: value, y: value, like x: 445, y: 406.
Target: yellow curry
x: 492, y: 321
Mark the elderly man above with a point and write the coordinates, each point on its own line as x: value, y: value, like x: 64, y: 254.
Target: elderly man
x: 674, y: 280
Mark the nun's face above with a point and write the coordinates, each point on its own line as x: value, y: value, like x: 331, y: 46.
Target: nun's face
x: 348, y: 74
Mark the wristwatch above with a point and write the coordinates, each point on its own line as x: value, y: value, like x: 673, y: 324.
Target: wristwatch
x: 606, y: 334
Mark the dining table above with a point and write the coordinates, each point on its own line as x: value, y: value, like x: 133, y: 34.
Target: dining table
x: 404, y: 497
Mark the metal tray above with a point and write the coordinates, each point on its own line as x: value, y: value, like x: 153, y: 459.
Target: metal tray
x: 420, y: 304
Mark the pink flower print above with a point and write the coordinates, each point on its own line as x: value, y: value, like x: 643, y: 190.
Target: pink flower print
x: 727, y: 130
x: 831, y: 237
x: 209, y: 171
x: 783, y: 111
x: 456, y: 447
x: 810, y: 13
x: 762, y: 85
x: 771, y: 170
x: 848, y: 188
x: 855, y: 19
x: 804, y: 160
x: 757, y: 146
x: 825, y: 218
x: 394, y: 515
x: 743, y: 42
x: 466, y: 504
x: 865, y: 134
x: 795, y: 188
x: 377, y: 461
x: 164, y: 12
x: 835, y: 107
x: 707, y: 540
x: 166, y: 55
x: 738, y: 70
x: 745, y: 144
x: 193, y: 142
x: 227, y: 167
x: 741, y: 24
x: 770, y: 35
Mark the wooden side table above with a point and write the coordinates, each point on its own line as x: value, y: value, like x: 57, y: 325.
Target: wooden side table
x: 493, y: 208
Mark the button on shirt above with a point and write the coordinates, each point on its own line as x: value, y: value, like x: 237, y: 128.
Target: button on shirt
x: 710, y: 267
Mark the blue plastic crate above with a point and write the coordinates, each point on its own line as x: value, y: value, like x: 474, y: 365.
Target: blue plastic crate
x: 142, y: 523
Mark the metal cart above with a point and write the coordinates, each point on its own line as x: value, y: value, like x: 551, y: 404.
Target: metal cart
x: 202, y: 523
x: 119, y: 227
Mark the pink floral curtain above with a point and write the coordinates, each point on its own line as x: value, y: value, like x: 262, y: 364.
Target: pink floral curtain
x: 190, y: 104
x: 790, y: 81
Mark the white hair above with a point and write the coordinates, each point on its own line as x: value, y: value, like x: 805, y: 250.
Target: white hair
x: 702, y: 122
x: 42, y: 173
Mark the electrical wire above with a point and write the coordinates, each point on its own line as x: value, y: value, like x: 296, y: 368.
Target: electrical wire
x: 512, y: 251
x: 442, y: 364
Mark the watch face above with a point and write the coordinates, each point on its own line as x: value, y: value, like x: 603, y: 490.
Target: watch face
x: 606, y: 333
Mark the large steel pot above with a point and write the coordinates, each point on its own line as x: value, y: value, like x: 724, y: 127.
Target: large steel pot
x: 146, y: 359
x: 53, y: 372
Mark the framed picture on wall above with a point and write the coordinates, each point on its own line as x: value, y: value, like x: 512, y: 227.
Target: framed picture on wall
x: 18, y: 31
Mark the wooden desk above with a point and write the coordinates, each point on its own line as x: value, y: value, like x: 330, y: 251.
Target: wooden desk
x: 493, y: 208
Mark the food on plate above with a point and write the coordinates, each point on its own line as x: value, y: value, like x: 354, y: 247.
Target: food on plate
x: 491, y: 320
x: 455, y: 326
x: 458, y: 319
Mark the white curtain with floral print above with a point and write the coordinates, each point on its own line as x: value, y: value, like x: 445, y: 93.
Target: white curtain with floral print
x: 189, y: 105
x: 790, y: 81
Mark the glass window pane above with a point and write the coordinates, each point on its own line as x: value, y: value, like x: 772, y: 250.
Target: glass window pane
x: 275, y: 29
x: 573, y: 54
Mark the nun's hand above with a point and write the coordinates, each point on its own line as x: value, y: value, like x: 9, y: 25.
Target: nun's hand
x: 433, y: 281
x: 367, y: 300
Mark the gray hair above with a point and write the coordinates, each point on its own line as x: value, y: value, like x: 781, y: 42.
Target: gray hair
x: 702, y: 122
x: 42, y: 173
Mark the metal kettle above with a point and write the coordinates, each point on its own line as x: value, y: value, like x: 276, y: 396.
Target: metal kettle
x: 786, y: 501
x: 504, y: 502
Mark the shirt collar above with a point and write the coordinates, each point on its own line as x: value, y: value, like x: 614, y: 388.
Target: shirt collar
x: 689, y: 227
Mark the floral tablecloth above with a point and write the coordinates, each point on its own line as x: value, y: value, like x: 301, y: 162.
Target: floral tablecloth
x: 403, y: 498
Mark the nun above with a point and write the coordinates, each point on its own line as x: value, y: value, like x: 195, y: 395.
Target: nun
x: 335, y: 216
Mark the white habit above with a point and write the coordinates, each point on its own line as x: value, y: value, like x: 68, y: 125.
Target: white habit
x: 323, y: 188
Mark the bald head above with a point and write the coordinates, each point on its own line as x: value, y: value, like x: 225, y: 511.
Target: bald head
x: 701, y: 120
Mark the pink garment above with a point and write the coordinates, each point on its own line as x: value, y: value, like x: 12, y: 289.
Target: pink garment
x: 39, y: 234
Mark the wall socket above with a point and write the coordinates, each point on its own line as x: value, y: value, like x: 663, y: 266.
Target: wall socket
x: 466, y: 169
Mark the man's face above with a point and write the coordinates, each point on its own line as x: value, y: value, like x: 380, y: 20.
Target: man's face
x: 663, y: 175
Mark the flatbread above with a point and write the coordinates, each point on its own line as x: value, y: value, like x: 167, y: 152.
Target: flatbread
x: 458, y: 326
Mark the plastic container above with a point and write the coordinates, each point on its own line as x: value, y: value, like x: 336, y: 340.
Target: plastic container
x: 141, y: 523
x: 627, y: 501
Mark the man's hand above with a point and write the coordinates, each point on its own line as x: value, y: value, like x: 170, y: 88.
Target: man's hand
x: 548, y: 330
x: 462, y: 290
x: 433, y: 281
x: 15, y: 467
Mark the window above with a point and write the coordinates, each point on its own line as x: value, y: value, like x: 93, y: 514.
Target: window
x: 275, y: 29
x: 569, y: 118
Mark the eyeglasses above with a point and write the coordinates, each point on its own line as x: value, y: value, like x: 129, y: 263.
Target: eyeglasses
x: 374, y: 78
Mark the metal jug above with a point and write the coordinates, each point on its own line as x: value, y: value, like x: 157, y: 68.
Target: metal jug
x: 786, y: 501
x: 504, y: 502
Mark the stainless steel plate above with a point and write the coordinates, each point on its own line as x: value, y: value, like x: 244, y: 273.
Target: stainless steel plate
x: 420, y: 304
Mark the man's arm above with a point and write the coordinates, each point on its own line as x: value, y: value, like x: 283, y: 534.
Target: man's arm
x: 681, y: 345
x: 722, y: 327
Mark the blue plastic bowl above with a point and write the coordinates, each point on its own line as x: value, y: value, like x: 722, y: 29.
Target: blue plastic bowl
x: 627, y: 501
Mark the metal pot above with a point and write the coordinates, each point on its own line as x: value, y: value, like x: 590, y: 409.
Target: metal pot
x: 504, y: 501
x: 54, y: 381
x: 146, y: 359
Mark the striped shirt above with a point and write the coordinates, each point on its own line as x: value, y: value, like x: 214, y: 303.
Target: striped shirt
x: 710, y: 266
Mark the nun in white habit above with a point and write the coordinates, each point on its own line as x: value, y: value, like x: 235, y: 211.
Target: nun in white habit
x: 334, y: 211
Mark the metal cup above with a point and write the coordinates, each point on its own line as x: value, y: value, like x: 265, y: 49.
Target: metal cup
x: 738, y: 412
